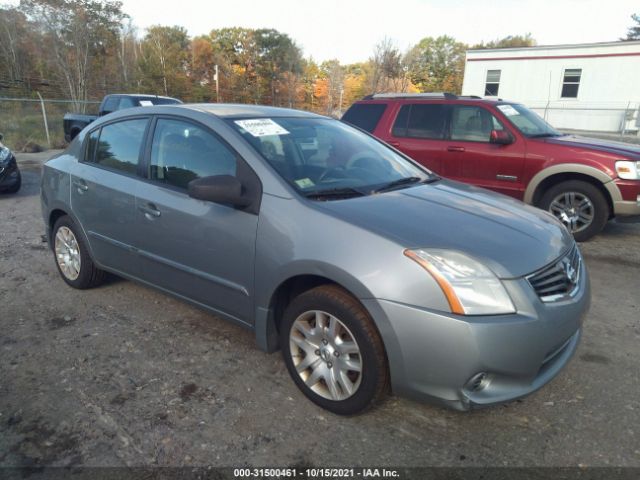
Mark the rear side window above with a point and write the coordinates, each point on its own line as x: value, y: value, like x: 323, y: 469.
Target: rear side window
x: 126, y: 102
x: 182, y: 151
x: 365, y: 115
x: 421, y: 121
x: 119, y: 144
x: 110, y: 105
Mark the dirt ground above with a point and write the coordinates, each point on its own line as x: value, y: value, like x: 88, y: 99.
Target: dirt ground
x: 123, y: 375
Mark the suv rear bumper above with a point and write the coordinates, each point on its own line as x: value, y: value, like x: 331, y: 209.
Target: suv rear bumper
x: 434, y: 356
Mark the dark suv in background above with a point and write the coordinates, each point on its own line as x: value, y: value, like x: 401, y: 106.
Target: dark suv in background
x: 504, y: 146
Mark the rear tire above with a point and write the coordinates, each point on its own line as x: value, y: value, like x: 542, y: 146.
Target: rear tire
x: 579, y: 205
x: 72, y: 256
x: 333, y: 351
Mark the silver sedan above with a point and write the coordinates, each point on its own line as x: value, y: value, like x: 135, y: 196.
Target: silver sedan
x: 369, y: 273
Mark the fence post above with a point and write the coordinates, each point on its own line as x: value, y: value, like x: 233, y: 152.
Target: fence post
x: 623, y: 127
x: 44, y: 117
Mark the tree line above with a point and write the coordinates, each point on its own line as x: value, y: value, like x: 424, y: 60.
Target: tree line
x: 83, y: 49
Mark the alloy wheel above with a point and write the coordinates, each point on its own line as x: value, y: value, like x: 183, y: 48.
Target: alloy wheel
x: 574, y: 209
x: 67, y: 253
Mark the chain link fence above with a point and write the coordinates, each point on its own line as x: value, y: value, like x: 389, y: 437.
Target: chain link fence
x: 607, y: 119
x: 34, y: 124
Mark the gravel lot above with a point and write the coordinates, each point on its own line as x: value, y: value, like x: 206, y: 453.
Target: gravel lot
x: 124, y: 375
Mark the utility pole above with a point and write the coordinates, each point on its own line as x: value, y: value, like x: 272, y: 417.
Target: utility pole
x: 215, y: 77
x: 341, y: 94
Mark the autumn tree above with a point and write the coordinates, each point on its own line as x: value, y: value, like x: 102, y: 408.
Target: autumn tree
x: 203, y: 62
x: 634, y: 30
x: 76, y: 35
x: 437, y: 64
x: 385, y: 63
x: 279, y: 63
x: 13, y: 53
x: 164, y: 61
x: 329, y: 88
x: 127, y: 53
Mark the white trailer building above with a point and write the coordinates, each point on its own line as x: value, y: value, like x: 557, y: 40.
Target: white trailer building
x: 592, y: 86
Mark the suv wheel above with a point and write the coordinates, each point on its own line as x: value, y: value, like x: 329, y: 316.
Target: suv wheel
x: 333, y: 351
x: 72, y: 258
x: 580, y: 205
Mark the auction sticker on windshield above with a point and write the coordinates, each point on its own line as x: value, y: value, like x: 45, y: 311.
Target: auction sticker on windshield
x: 508, y: 110
x: 261, y: 127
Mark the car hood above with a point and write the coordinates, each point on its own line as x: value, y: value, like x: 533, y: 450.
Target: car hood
x: 511, y: 238
x: 609, y: 146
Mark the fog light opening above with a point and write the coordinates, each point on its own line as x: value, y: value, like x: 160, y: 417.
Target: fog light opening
x: 478, y: 382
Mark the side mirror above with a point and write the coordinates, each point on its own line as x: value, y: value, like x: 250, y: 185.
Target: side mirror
x: 500, y: 137
x: 219, y: 189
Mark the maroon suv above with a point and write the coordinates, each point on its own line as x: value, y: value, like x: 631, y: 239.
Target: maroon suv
x: 504, y: 146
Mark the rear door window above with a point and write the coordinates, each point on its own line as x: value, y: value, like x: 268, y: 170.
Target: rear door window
x: 426, y: 121
x: 365, y: 115
x: 119, y: 145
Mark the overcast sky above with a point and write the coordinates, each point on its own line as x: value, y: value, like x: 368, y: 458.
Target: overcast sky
x: 348, y: 29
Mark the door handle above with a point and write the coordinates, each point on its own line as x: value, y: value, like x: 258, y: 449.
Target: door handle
x: 80, y: 185
x: 455, y: 149
x: 394, y: 144
x: 150, y: 211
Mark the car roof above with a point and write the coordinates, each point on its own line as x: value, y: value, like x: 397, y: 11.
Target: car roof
x: 237, y: 110
x: 448, y: 98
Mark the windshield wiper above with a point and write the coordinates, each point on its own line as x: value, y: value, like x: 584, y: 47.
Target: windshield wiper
x: 405, y: 181
x: 344, y: 192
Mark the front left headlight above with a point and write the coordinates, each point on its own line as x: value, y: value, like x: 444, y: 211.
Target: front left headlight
x: 628, y: 170
x: 5, y: 154
x: 469, y: 286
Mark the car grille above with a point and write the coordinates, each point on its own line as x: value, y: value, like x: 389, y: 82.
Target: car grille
x: 560, y: 279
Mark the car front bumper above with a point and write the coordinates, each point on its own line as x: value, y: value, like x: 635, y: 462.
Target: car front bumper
x: 434, y: 356
x: 9, y: 175
x: 629, y: 201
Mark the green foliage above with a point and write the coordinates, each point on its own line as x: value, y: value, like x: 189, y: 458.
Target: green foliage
x: 164, y: 61
x: 437, y: 64
x: 510, y: 41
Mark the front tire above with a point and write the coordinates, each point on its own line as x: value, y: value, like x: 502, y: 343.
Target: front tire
x: 581, y: 206
x: 16, y: 186
x: 333, y: 351
x: 72, y: 256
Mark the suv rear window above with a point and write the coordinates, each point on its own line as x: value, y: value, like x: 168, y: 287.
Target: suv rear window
x: 364, y: 115
x: 421, y: 121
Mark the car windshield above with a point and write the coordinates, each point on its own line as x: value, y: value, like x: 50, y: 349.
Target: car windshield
x: 326, y: 159
x: 528, y: 122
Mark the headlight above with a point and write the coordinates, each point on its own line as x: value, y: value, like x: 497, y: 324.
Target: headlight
x: 628, y: 170
x: 5, y: 154
x: 470, y: 287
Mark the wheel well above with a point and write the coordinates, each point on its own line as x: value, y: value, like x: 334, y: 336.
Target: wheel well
x: 53, y: 218
x: 290, y: 289
x: 552, y: 180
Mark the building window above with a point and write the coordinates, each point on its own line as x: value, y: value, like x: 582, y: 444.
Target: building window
x: 493, y: 83
x: 571, y: 82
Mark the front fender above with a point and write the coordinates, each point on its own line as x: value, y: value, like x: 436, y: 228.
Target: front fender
x: 538, y: 178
